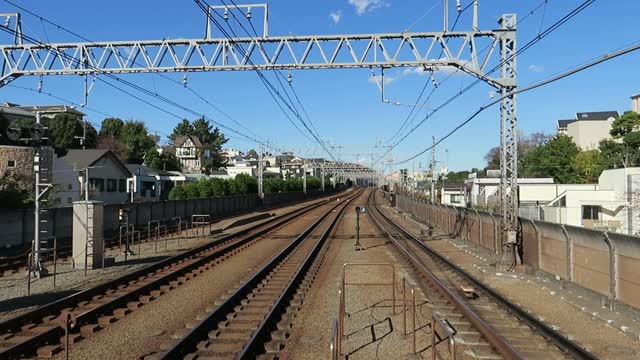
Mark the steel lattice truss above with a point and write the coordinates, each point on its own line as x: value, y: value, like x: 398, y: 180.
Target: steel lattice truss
x: 458, y: 49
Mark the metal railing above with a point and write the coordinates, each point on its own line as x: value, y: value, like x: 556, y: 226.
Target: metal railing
x: 437, y: 319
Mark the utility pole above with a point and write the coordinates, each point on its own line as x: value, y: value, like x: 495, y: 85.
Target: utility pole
x: 304, y: 177
x: 260, y: 171
x: 433, y: 170
x: 322, y: 177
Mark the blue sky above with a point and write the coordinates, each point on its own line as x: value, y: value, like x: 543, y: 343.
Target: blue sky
x: 345, y: 105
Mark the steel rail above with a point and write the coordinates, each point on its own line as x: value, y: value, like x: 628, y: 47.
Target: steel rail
x: 52, y: 335
x: 189, y: 343
x: 263, y: 334
x: 501, y: 345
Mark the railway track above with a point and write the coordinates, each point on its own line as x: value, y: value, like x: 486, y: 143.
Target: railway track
x: 13, y: 264
x: 38, y: 332
x: 487, y: 325
x: 254, y: 321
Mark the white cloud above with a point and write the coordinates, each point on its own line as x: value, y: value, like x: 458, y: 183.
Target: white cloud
x: 363, y: 6
x: 376, y: 79
x: 536, y: 68
x: 414, y: 70
x: 335, y: 17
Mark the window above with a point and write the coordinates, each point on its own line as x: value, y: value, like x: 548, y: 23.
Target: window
x: 11, y: 164
x: 96, y: 184
x: 69, y: 200
x: 122, y: 185
x: 112, y: 185
x: 591, y: 212
x: 455, y: 199
x: 69, y: 187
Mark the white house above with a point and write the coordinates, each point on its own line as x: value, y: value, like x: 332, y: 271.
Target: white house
x: 452, y: 194
x: 107, y: 176
x: 613, y: 204
x: 231, y: 156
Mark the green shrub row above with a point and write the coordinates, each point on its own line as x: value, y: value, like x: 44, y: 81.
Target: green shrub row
x: 243, y: 184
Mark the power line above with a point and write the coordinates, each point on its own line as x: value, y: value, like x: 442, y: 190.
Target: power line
x: 270, y: 87
x: 191, y: 90
x: 602, y: 59
x: 141, y: 89
x: 436, y: 86
x: 527, y: 46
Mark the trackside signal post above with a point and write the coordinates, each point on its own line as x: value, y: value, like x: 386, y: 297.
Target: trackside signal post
x: 339, y: 51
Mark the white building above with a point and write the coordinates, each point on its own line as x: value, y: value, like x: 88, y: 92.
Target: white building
x: 231, y: 156
x: 107, y: 177
x: 588, y: 128
x: 452, y: 194
x: 613, y: 204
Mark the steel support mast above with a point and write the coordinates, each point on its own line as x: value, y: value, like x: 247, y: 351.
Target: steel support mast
x: 508, y: 144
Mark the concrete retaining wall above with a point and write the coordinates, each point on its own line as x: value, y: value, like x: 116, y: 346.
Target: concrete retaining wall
x: 16, y: 226
x: 604, y: 263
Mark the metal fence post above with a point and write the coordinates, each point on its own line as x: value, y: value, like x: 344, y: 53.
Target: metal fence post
x: 612, y: 271
x: 569, y: 250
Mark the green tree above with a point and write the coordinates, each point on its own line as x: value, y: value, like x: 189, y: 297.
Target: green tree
x: 246, y: 184
x: 252, y: 153
x: 177, y: 193
x: 65, y: 131
x: 556, y: 159
x: 111, y: 127
x: 589, y: 165
x: 165, y: 160
x: 628, y: 122
x: 14, y: 193
x: 184, y: 128
x: 136, y: 141
x: 493, y: 158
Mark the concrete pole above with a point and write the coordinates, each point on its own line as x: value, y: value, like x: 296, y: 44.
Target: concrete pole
x: 304, y: 179
x: 260, y: 171
x: 322, y: 176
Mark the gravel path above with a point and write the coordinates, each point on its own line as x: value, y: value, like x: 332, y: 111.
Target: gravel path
x: 374, y: 332
x: 150, y: 328
x: 530, y: 293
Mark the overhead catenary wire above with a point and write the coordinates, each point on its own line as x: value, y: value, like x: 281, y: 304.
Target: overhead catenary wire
x: 550, y: 80
x: 143, y: 90
x: 181, y: 84
x: 436, y: 86
x: 204, y: 6
x: 527, y: 46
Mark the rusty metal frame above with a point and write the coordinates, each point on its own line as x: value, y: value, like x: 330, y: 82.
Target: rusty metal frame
x: 344, y: 283
x: 436, y: 318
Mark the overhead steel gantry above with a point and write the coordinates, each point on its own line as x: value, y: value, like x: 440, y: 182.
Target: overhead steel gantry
x: 464, y: 50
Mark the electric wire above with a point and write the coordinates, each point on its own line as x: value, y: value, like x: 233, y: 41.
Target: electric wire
x: 436, y: 86
x: 602, y: 59
x: 84, y: 38
x: 279, y: 75
x: 527, y: 46
x: 204, y: 6
x: 143, y: 90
